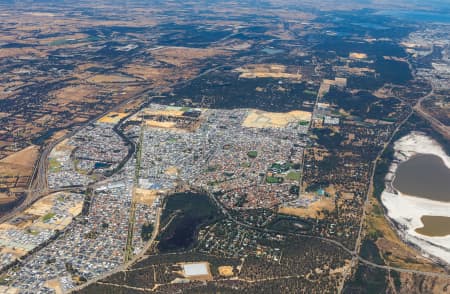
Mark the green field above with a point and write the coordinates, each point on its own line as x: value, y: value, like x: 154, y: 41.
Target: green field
x: 54, y: 165
x: 274, y: 180
x: 48, y: 216
x: 309, y: 92
x: 293, y: 176
x: 303, y: 123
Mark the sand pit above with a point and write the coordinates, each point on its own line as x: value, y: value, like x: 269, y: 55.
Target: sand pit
x: 262, y: 119
x: 226, y: 271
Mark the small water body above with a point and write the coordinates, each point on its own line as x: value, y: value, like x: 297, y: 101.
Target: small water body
x: 424, y: 176
x: 434, y: 226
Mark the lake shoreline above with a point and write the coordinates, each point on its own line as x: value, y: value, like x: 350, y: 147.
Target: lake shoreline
x: 406, y: 211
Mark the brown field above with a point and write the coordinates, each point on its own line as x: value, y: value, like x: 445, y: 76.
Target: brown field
x: 183, y: 56
x: 313, y: 210
x: 253, y: 71
x: 76, y: 36
x: 25, y: 157
x: 41, y: 208
x: 171, y: 171
x: 75, y: 93
x: 9, y: 290
x: 21, y: 52
x: 144, y: 196
x: 15, y: 172
x: 262, y: 119
x: 57, y: 135
x: 160, y: 76
x: 112, y: 117
x: 103, y: 79
x: 63, y: 147
x: 160, y: 124
x: 54, y: 284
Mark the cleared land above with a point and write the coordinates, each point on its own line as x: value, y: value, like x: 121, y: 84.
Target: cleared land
x: 15, y: 172
x: 182, y: 56
x: 144, y: 196
x: 197, y: 271
x: 268, y: 71
x: 226, y: 271
x: 262, y: 119
x: 313, y: 210
x: 112, y: 117
x: 20, y: 163
x: 356, y: 55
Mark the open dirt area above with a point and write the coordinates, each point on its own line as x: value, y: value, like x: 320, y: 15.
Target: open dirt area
x: 262, y: 119
x: 101, y: 79
x: 161, y: 76
x: 226, y: 271
x: 169, y: 111
x: 313, y: 210
x: 144, y: 196
x: 171, y: 171
x: 182, y: 56
x: 160, y: 124
x: 55, y: 285
x: 8, y: 290
x: 112, y: 117
x: 253, y: 71
x: 20, y: 163
x: 63, y: 146
x: 198, y: 271
x: 75, y: 93
x: 356, y: 55
x: 15, y: 173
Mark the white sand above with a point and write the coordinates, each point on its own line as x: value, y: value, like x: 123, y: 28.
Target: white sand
x: 407, y: 210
